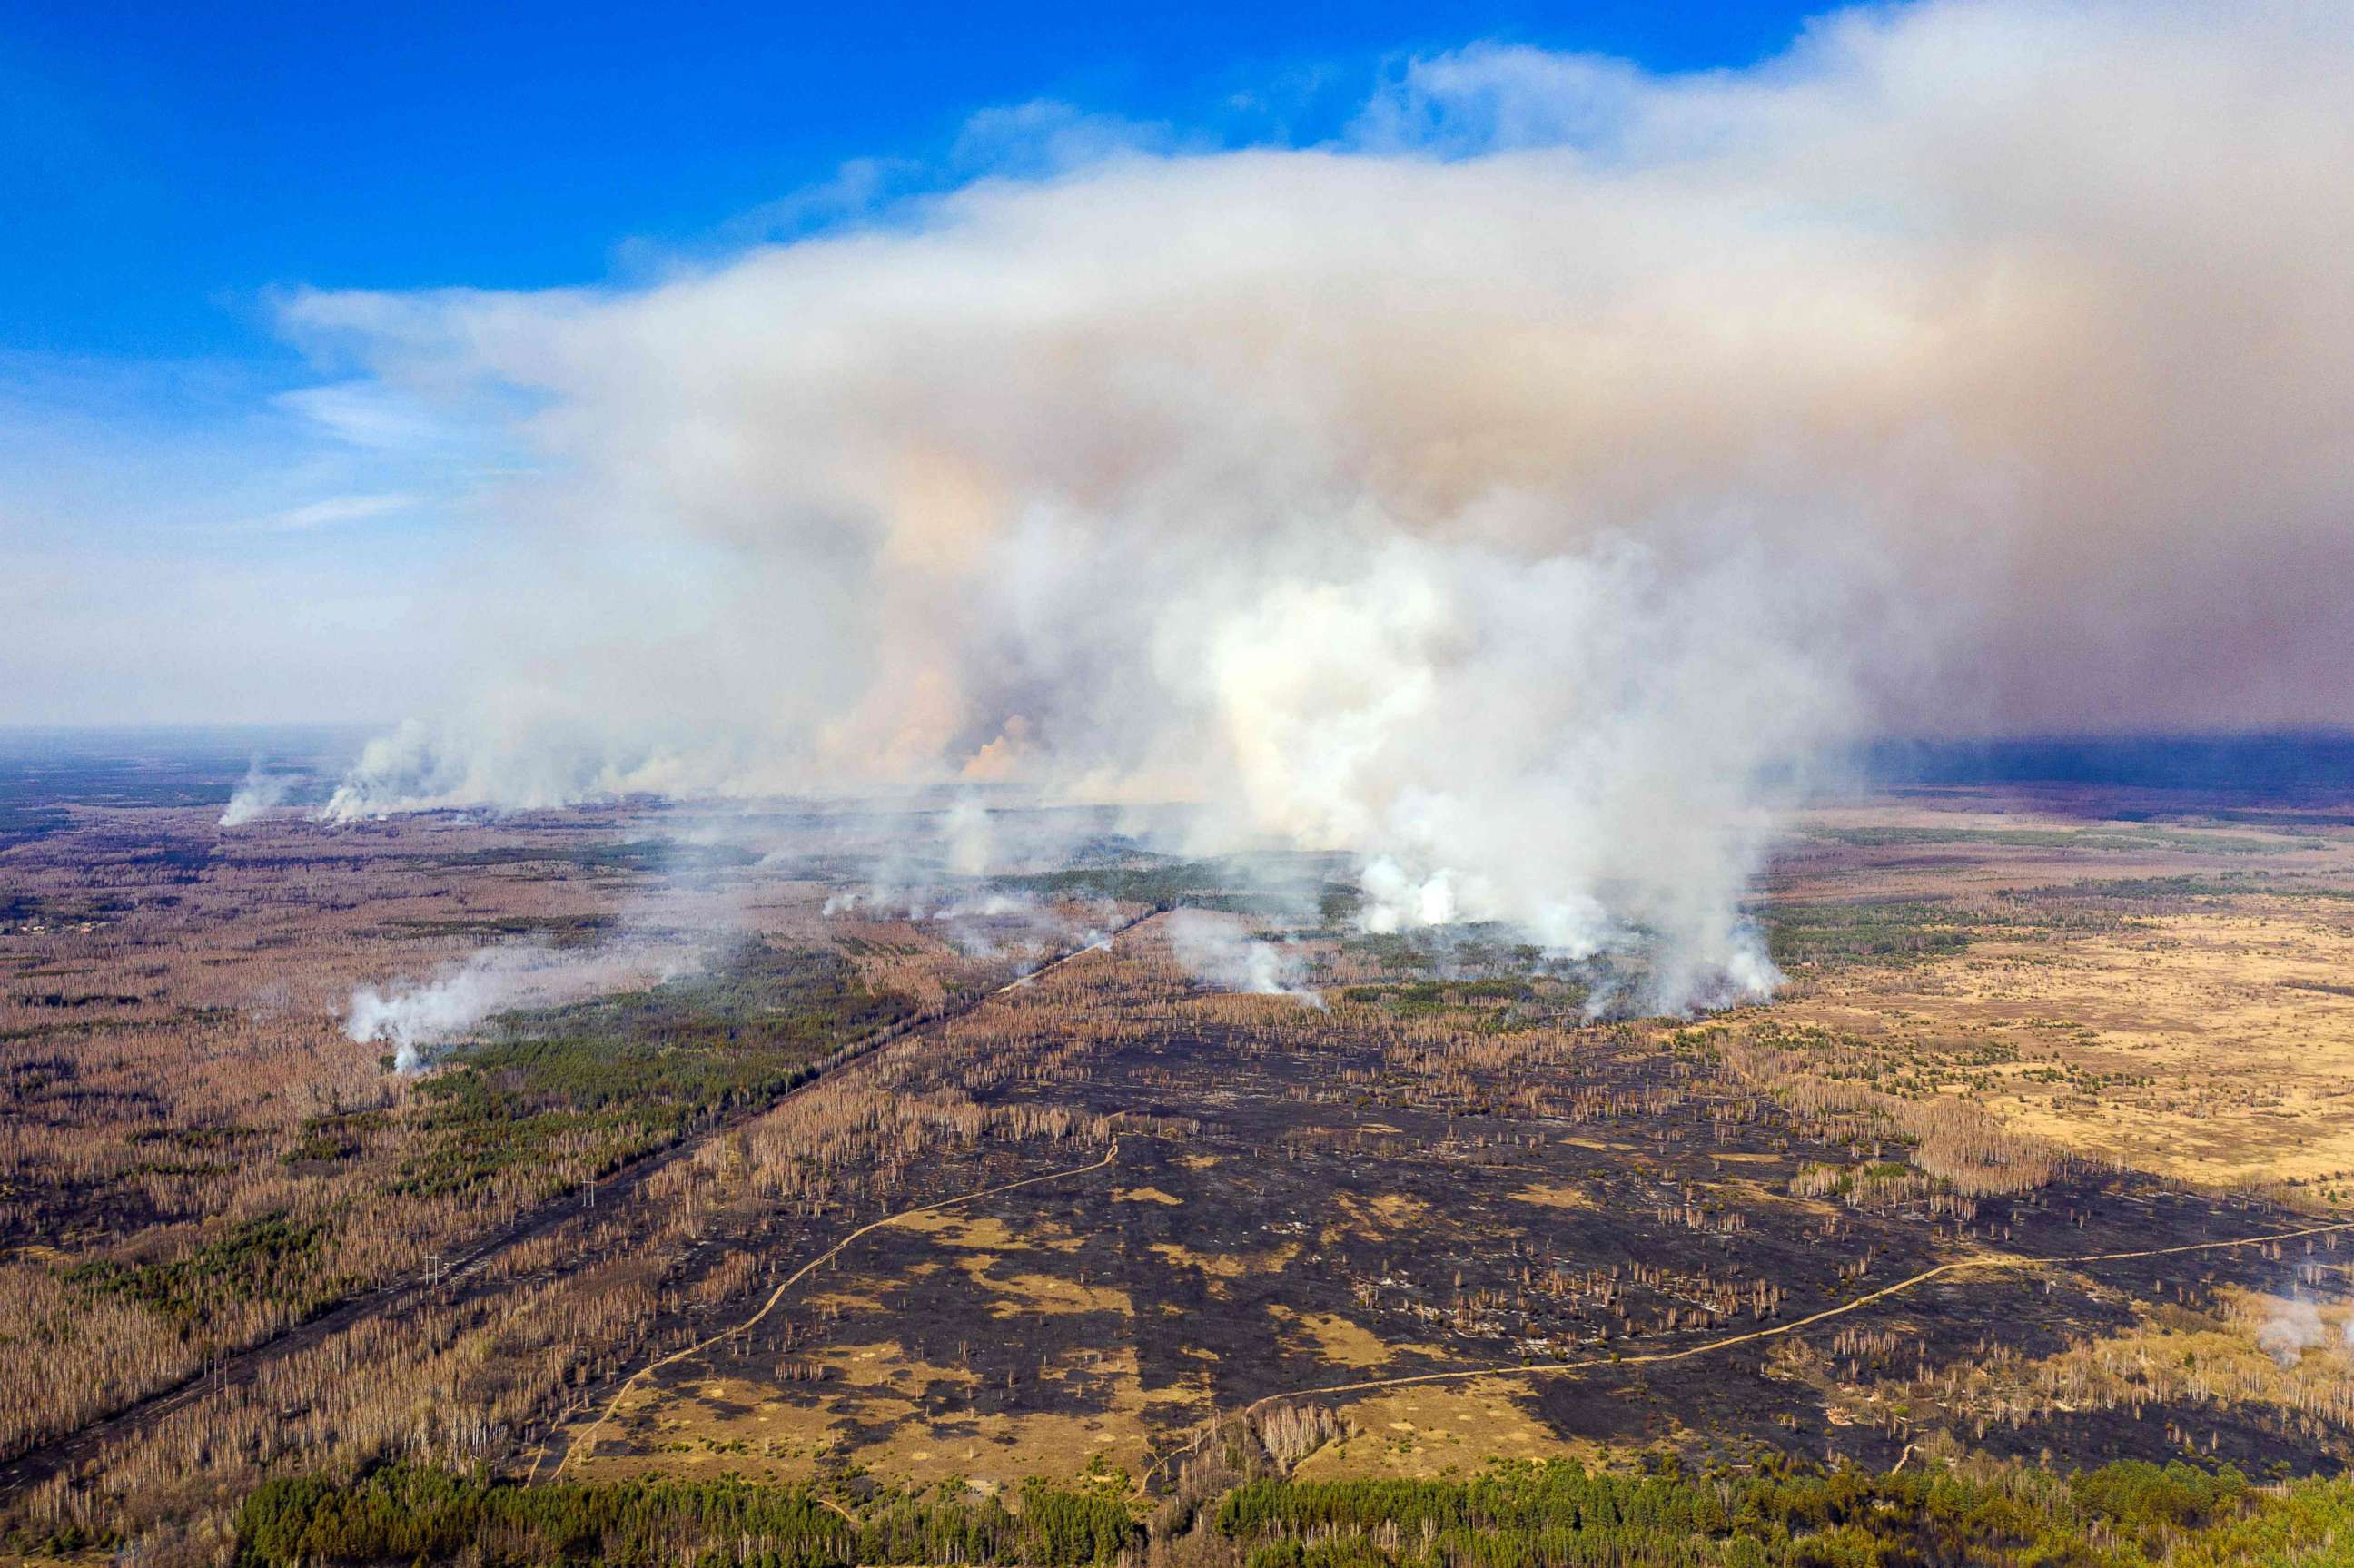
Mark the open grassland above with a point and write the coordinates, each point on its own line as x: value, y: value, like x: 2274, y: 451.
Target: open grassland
x: 2177, y: 999
x: 2215, y: 1043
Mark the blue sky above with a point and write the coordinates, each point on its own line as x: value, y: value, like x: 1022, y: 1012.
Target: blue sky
x: 169, y: 166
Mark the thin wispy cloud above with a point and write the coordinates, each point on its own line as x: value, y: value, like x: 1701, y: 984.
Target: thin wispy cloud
x: 335, y: 510
x: 367, y: 414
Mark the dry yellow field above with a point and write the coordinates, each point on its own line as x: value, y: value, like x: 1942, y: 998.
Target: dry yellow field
x: 2215, y: 1049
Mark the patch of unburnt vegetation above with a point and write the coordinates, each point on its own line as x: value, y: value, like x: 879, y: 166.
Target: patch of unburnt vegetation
x: 2116, y: 837
x: 1774, y: 1512
x: 1786, y: 1513
x: 1160, y: 883
x: 635, y: 857
x: 1801, y: 936
x: 272, y: 1258
x: 617, y: 1077
x: 23, y: 823
x: 555, y: 930
x: 32, y: 915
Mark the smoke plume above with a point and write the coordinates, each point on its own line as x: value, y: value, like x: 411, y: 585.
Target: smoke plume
x: 257, y: 795
x: 417, y: 1017
x: 1217, y: 951
x: 1520, y: 493
x: 2292, y: 1326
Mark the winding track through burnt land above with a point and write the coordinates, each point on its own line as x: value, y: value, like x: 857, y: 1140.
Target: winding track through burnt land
x: 67, y: 1453
x: 1660, y: 1357
x: 587, y: 1444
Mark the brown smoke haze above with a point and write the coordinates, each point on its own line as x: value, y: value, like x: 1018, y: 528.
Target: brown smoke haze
x: 1520, y: 493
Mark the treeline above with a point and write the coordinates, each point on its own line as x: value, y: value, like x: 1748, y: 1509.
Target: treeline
x: 1559, y: 1515
x: 1512, y: 1515
x: 1890, y: 931
x: 1520, y: 1514
x: 409, y: 1513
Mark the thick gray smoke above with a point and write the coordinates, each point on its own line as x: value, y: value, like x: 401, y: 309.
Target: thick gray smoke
x: 1519, y: 494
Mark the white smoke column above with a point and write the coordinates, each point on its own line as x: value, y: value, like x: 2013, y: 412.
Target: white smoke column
x: 1219, y: 951
x: 259, y: 793
x: 415, y: 1017
x: 1547, y: 744
x: 2293, y: 1329
x: 1517, y: 493
x: 971, y: 843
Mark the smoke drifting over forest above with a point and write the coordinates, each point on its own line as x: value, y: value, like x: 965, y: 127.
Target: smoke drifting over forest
x: 415, y: 1017
x: 1220, y: 950
x: 1521, y: 492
